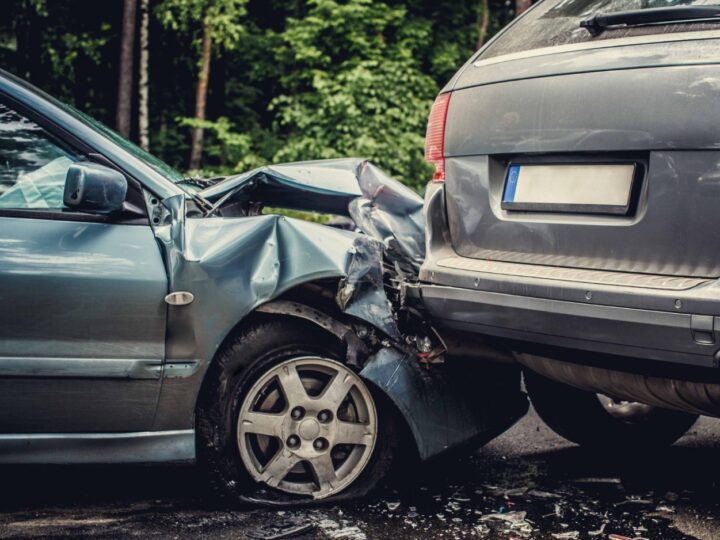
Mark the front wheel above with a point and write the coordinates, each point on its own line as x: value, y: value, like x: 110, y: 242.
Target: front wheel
x: 598, y: 421
x: 283, y: 412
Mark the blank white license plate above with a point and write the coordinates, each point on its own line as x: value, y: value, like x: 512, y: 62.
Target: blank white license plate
x: 588, y: 188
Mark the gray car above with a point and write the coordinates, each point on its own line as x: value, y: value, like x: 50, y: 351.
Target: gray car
x: 572, y: 218
x: 146, y: 317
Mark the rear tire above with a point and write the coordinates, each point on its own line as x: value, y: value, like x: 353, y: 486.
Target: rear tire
x: 582, y: 418
x: 300, y: 459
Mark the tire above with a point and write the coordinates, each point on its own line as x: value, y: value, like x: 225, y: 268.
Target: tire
x: 289, y: 426
x: 581, y: 417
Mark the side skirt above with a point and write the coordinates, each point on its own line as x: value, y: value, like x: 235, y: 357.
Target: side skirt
x: 86, y: 448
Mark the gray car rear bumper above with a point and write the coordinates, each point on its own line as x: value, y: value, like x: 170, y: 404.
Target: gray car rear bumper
x: 664, y: 324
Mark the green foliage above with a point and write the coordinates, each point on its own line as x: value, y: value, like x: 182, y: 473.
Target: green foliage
x: 290, y: 79
x: 232, y: 150
x: 354, y: 87
x: 191, y: 16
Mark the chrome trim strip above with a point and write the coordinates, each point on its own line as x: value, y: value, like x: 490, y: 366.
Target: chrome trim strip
x: 602, y: 44
x: 112, y: 368
x: 87, y: 448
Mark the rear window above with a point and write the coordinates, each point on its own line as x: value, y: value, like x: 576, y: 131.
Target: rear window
x: 557, y: 22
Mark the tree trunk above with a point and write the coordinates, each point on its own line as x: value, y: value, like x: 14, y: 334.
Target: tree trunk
x: 125, y: 76
x: 484, y: 24
x: 143, y: 112
x: 29, y: 38
x: 201, y: 97
x: 522, y: 6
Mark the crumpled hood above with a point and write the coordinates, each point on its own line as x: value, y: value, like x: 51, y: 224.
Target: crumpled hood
x: 380, y: 206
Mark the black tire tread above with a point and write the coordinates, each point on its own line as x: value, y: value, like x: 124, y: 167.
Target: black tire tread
x: 244, y: 357
x: 579, y: 416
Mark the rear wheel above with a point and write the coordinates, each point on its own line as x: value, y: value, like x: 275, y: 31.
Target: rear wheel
x: 283, y: 419
x: 599, y: 421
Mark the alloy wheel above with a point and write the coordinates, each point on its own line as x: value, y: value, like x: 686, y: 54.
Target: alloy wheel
x: 308, y: 426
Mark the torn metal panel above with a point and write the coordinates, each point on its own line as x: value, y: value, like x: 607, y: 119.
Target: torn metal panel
x: 393, y: 214
x: 233, y: 265
x: 380, y: 206
x: 448, y: 406
x: 357, y: 349
x: 319, y: 186
x: 240, y: 261
x: 362, y: 292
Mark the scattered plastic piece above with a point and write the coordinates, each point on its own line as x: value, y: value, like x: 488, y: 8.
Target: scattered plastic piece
x: 280, y: 530
x: 508, y: 517
x: 539, y: 494
x: 569, y: 535
x: 597, y: 480
x: 516, y: 492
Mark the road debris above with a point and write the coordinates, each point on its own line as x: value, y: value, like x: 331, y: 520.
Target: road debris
x: 539, y: 494
x: 510, y: 517
x: 460, y: 500
x: 633, y: 500
x: 334, y: 530
x: 569, y: 535
x: 597, y: 480
x: 281, y: 529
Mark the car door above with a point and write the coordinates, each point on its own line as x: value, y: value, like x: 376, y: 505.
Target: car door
x: 82, y: 312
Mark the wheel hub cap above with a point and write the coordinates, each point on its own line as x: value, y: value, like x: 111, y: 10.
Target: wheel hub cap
x: 309, y: 429
x: 320, y: 452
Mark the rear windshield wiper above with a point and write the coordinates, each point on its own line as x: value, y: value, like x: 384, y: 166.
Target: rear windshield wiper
x: 597, y: 24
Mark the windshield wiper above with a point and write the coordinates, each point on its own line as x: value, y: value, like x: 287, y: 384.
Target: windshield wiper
x: 597, y: 24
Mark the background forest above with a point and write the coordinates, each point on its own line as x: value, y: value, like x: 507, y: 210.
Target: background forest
x: 221, y: 86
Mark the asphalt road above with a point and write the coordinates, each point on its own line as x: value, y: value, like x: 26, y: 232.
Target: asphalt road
x: 528, y: 483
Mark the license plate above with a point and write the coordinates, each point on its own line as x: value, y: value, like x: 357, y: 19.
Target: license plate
x: 587, y: 188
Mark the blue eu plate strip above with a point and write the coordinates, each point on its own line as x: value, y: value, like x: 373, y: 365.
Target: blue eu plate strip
x: 511, y: 183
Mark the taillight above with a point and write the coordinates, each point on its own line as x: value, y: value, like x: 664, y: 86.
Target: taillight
x: 435, y: 136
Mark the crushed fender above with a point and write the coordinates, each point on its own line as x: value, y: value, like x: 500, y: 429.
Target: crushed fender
x: 380, y: 206
x: 228, y: 244
x: 261, y: 256
x: 445, y: 408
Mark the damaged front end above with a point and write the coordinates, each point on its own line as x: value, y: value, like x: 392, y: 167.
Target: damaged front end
x: 279, y: 265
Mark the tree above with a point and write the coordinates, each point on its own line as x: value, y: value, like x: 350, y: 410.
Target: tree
x: 125, y: 72
x: 143, y: 112
x: 484, y: 23
x: 280, y: 80
x: 220, y: 27
x: 354, y: 86
x: 28, y: 37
